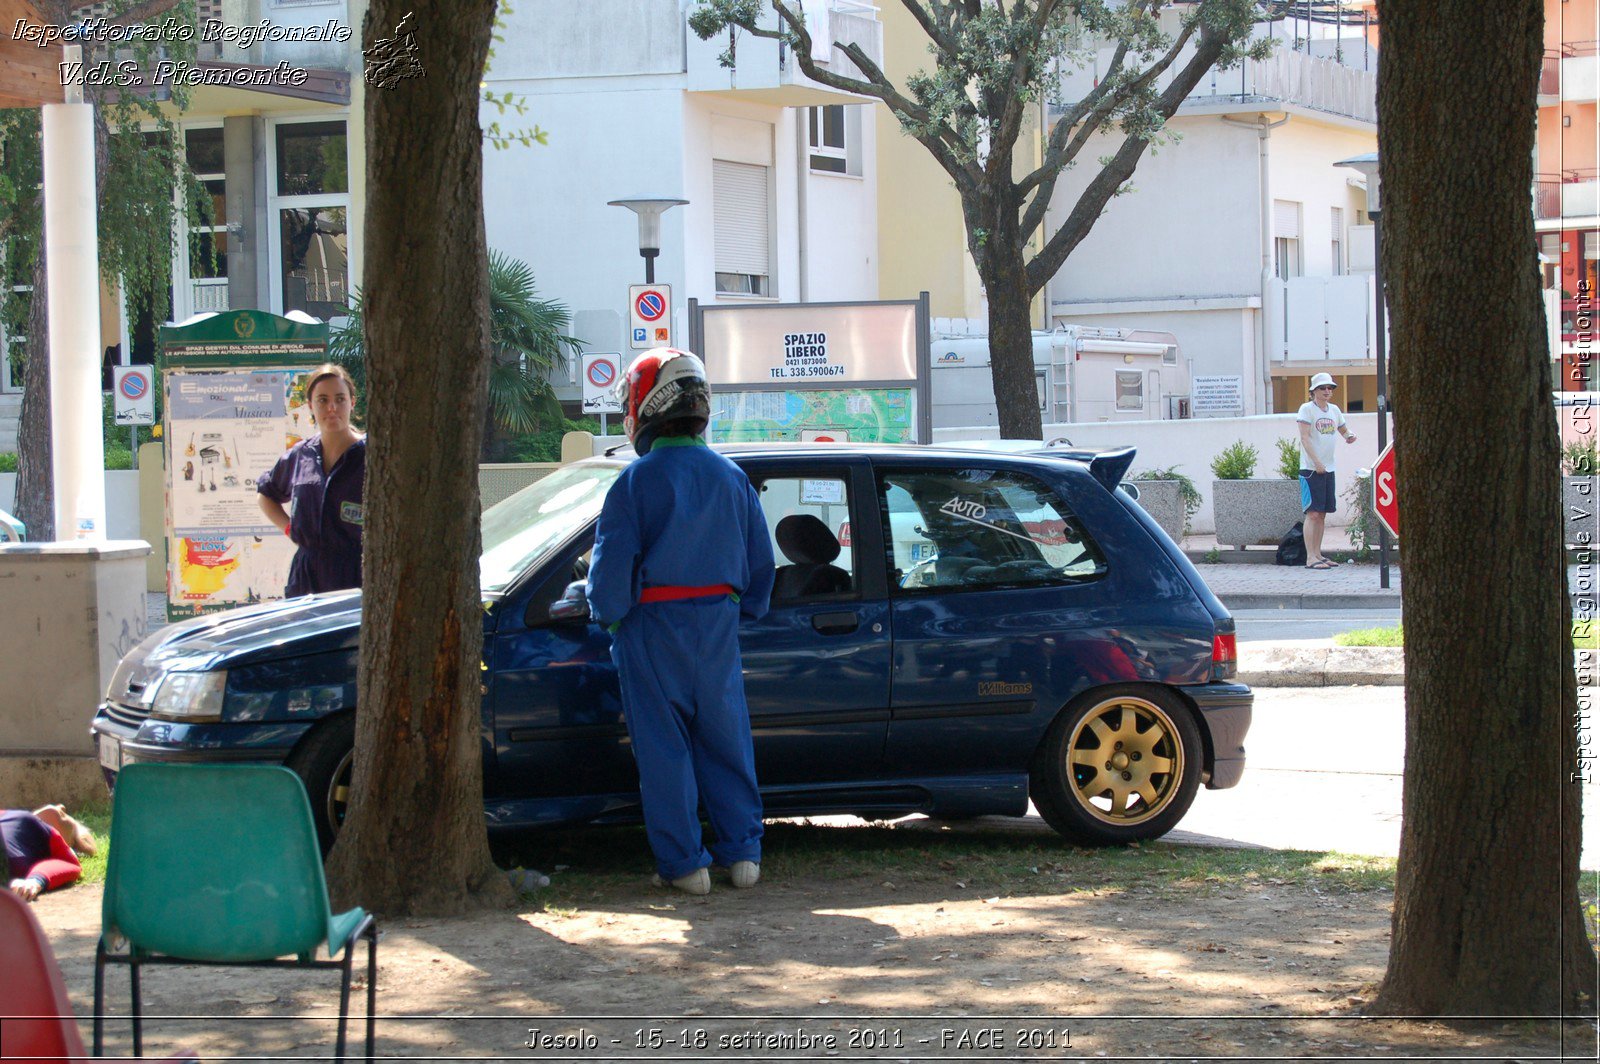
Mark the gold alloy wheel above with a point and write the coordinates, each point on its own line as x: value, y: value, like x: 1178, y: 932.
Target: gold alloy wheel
x: 1126, y: 761
x: 338, y: 797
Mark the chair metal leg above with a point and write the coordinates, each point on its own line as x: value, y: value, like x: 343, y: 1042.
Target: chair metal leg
x: 99, y: 996
x: 372, y: 990
x: 138, y: 1009
x: 344, y: 998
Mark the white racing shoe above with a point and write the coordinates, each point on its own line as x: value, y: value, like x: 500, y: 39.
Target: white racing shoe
x: 696, y: 882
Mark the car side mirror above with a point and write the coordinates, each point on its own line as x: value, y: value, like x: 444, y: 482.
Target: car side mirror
x: 573, y: 605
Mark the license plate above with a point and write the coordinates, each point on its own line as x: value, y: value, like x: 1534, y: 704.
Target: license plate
x: 111, y: 752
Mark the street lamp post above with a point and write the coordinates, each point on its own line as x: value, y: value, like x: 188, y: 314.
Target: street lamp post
x: 649, y: 211
x: 1367, y: 166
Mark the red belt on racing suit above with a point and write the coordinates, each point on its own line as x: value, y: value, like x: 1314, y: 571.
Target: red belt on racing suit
x: 672, y: 594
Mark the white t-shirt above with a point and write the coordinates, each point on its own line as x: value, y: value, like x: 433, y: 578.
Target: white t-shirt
x: 1325, y: 425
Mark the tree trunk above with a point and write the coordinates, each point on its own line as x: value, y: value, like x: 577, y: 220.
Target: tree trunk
x: 1486, y: 917
x: 414, y: 841
x: 1005, y: 283
x: 36, y: 482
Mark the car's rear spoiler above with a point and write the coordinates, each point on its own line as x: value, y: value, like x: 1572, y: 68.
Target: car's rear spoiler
x: 1108, y: 465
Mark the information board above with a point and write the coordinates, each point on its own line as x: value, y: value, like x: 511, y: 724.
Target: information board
x: 234, y: 401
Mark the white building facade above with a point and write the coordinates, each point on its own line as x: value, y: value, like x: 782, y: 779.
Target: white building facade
x: 1240, y: 236
x: 779, y: 171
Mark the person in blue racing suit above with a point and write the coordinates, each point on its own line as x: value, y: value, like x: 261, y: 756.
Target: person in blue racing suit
x: 681, y: 553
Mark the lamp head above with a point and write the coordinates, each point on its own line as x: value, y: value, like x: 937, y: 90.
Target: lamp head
x: 649, y: 210
x: 1367, y: 166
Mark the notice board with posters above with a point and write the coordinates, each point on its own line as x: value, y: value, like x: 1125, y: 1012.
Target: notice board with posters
x: 233, y: 386
x: 817, y: 372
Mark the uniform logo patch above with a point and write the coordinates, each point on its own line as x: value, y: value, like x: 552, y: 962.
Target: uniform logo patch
x: 351, y: 512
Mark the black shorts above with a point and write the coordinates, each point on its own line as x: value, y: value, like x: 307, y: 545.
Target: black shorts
x: 1316, y: 492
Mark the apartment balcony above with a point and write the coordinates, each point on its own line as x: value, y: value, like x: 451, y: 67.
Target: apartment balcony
x: 1569, y: 194
x: 1570, y: 74
x: 766, y: 72
x: 1321, y: 319
x: 1287, y: 77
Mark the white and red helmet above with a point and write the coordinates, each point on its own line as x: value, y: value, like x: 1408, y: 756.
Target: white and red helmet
x: 663, y: 384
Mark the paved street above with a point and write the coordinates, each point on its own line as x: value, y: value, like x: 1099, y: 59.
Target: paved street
x: 1283, y: 625
x: 1325, y: 774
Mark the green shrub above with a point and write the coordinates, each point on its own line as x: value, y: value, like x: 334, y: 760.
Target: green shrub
x: 1363, y: 528
x: 1289, y: 459
x: 8, y: 462
x: 546, y: 446
x: 1236, y: 462
x: 1186, y: 490
x: 1579, y: 460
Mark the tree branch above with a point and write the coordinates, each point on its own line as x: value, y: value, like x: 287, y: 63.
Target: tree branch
x: 1104, y: 104
x: 877, y: 85
x: 1105, y: 184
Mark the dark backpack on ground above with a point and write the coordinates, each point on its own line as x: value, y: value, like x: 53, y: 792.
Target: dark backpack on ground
x: 1292, y: 551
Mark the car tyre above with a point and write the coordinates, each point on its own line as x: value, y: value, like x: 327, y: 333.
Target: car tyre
x: 323, y: 761
x: 1119, y: 765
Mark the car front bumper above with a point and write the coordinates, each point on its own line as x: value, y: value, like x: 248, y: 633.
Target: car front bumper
x: 1225, y: 710
x: 119, y: 743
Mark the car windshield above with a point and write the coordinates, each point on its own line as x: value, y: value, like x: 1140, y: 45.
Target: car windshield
x: 520, y: 531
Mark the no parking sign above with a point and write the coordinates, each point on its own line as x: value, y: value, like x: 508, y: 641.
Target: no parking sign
x: 599, y: 377
x: 135, y: 395
x: 650, y: 315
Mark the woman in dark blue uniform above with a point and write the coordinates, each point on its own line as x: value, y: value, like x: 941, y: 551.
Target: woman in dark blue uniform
x: 323, y: 478
x: 681, y: 553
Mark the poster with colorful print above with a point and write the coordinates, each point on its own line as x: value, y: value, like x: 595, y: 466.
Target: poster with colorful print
x: 234, y: 391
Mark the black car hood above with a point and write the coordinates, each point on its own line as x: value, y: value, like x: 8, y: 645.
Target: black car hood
x: 290, y: 628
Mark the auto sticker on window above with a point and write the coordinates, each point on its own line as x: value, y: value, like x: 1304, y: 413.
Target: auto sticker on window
x: 976, y: 513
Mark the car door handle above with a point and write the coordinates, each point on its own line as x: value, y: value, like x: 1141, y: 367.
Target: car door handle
x: 839, y: 623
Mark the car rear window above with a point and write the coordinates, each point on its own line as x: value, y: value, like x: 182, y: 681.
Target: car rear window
x: 982, y: 528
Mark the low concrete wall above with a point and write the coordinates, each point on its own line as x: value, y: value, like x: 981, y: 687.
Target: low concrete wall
x: 73, y: 611
x: 1190, y: 445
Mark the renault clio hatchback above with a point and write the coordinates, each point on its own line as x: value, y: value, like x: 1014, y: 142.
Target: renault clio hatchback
x: 953, y: 632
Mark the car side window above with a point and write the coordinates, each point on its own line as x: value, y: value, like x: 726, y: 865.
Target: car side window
x: 808, y: 518
x: 982, y: 528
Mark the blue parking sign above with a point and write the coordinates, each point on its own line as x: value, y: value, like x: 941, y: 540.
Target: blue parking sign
x: 639, y: 336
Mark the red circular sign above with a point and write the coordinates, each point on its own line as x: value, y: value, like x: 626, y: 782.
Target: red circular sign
x: 650, y: 306
x: 134, y: 385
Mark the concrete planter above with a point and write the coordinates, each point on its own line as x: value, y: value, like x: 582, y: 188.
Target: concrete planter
x: 1580, y: 502
x: 1163, y: 500
x: 1255, y: 512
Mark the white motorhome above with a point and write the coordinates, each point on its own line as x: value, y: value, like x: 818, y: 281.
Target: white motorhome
x: 1083, y: 374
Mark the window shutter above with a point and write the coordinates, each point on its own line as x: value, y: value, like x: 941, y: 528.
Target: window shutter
x: 1286, y: 219
x: 740, y: 191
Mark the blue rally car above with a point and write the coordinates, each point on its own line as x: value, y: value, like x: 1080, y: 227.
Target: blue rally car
x: 952, y: 632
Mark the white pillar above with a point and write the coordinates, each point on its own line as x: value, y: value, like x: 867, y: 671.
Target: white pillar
x: 73, y: 261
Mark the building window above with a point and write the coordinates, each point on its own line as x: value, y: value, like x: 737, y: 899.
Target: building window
x: 311, y: 209
x: 741, y: 194
x: 1337, y: 222
x: 828, y: 139
x: 208, y: 237
x: 1286, y: 239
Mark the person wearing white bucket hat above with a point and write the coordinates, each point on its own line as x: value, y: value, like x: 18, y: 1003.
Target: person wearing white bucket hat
x: 1319, y: 419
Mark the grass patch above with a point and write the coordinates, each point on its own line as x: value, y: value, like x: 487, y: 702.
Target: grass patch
x: 1585, y: 634
x: 955, y: 860
x: 1370, y: 637
x: 97, y: 818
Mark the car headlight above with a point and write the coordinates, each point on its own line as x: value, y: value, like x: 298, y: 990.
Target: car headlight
x: 190, y: 695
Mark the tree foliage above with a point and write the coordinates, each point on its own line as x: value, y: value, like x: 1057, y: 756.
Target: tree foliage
x: 528, y: 338
x: 139, y: 166
x: 992, y: 64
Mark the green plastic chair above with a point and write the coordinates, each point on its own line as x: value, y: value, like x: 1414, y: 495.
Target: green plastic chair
x: 219, y: 864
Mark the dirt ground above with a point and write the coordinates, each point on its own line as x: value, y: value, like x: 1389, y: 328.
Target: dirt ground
x: 851, y: 967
